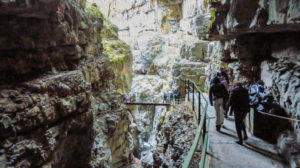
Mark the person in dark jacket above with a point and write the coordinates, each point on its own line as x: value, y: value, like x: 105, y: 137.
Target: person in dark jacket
x: 165, y: 97
x: 217, y: 95
x: 239, y: 102
x: 224, y: 74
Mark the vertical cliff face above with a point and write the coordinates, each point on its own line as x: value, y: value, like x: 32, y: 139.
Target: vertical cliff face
x: 59, y: 105
x: 261, y: 35
x: 163, y: 40
x: 257, y: 40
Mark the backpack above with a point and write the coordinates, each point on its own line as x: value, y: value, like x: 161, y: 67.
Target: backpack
x: 223, y: 81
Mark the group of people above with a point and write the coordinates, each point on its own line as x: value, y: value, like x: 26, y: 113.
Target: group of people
x: 171, y: 97
x: 129, y: 98
x: 236, y: 99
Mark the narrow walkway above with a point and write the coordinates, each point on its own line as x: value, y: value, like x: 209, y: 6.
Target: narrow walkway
x: 223, y: 152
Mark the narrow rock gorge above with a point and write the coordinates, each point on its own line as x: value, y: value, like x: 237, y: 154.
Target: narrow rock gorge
x: 65, y: 66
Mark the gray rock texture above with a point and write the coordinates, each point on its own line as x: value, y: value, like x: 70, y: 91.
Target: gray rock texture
x: 274, y: 43
x: 259, y: 42
x: 176, y: 132
x: 58, y: 102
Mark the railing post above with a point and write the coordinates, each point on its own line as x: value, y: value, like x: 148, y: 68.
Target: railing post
x: 188, y: 89
x: 199, y: 106
x: 193, y: 97
x: 204, y: 127
x: 184, y: 87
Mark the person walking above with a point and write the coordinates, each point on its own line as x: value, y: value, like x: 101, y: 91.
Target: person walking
x: 165, y: 97
x: 124, y: 98
x: 224, y: 74
x: 171, y: 98
x: 225, y: 100
x: 217, y: 94
x: 223, y: 80
x: 239, y: 102
x: 127, y: 99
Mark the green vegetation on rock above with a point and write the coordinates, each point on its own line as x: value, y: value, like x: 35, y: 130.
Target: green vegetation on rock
x: 211, y: 19
x: 109, y: 30
x: 93, y: 10
x: 172, y: 13
x: 115, y: 49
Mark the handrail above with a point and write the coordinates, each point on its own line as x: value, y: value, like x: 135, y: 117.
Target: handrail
x: 203, y: 152
x: 201, y: 130
x: 187, y: 161
x: 198, y: 89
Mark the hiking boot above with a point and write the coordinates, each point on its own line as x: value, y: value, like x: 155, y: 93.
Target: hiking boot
x: 239, y: 142
x: 218, y: 128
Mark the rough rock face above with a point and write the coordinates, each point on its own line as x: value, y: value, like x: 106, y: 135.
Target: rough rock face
x: 234, y: 18
x: 283, y: 77
x: 175, y: 137
x: 194, y: 57
x: 58, y: 106
x: 276, y: 28
x: 157, y: 31
x: 163, y: 40
x: 50, y: 36
x: 258, y: 40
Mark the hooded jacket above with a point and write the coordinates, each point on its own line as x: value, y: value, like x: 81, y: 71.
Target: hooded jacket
x: 217, y: 90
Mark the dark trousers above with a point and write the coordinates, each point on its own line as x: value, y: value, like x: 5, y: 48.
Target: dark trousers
x: 240, y: 124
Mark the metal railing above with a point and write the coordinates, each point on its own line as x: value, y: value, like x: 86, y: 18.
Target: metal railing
x: 191, y: 90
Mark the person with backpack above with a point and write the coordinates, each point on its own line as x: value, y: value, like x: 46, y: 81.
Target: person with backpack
x: 224, y: 74
x: 239, y: 102
x: 217, y: 95
x: 223, y: 80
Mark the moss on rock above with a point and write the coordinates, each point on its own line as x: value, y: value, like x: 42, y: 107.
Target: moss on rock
x: 109, y: 30
x: 173, y: 12
x: 117, y: 51
x: 212, y: 19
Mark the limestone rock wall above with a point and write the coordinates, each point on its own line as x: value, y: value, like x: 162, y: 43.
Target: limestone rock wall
x: 58, y: 104
x: 158, y: 33
x: 258, y: 41
x: 165, y: 47
x: 176, y: 132
x: 260, y: 31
